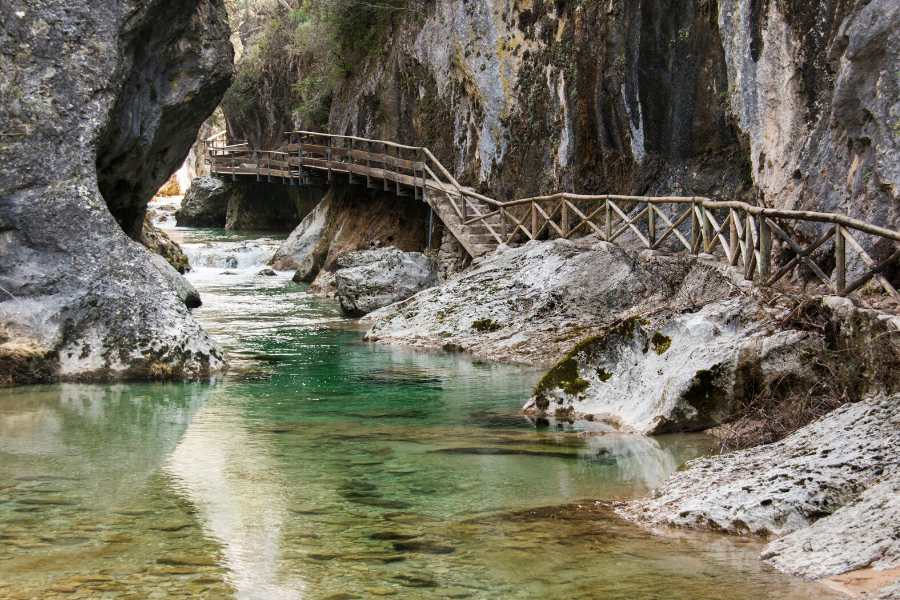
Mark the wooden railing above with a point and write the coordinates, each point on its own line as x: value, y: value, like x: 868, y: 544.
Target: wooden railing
x: 743, y: 233
x: 744, y: 236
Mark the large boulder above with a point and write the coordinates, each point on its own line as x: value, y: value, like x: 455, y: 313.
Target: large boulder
x: 205, y: 204
x: 349, y: 219
x: 830, y: 488
x: 675, y: 372
x: 111, y: 95
x: 534, y: 303
x: 370, y: 279
x: 297, y: 249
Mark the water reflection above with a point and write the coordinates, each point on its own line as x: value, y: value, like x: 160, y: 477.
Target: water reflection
x: 325, y: 468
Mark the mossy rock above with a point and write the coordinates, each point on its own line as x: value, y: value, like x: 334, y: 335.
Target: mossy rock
x: 661, y: 343
x: 485, y: 325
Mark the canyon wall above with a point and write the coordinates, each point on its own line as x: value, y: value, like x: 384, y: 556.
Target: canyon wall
x: 101, y: 102
x: 788, y: 104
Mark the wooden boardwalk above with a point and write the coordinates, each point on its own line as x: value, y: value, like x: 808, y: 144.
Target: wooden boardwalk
x: 742, y: 234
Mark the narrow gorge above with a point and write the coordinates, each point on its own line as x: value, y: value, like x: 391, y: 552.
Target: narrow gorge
x: 330, y: 299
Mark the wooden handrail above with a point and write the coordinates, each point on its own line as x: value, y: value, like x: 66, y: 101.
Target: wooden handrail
x: 745, y: 236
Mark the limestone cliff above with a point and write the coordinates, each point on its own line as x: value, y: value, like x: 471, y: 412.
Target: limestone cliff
x: 791, y: 105
x: 100, y: 104
x: 703, y: 97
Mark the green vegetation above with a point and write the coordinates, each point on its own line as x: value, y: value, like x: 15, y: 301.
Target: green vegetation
x: 295, y: 51
x: 661, y: 343
x: 485, y: 325
x: 563, y: 376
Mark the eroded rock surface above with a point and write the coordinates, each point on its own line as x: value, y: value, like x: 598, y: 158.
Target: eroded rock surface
x: 864, y: 534
x: 159, y: 243
x: 675, y: 372
x: 777, y: 489
x: 181, y: 286
x: 205, y: 203
x: 110, y: 95
x: 371, y: 279
x: 349, y: 219
x: 297, y: 251
x: 533, y: 303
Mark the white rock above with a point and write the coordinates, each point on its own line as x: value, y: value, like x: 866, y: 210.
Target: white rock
x: 863, y: 534
x: 297, y: 249
x: 372, y: 279
x: 681, y: 372
x: 780, y: 488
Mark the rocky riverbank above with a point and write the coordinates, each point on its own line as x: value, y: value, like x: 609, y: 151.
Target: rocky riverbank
x: 101, y: 104
x: 647, y: 342
x: 829, y: 494
x: 651, y: 343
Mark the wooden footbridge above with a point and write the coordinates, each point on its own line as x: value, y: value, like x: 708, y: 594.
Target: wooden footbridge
x: 742, y: 234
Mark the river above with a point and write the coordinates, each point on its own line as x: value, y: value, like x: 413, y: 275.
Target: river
x: 320, y: 467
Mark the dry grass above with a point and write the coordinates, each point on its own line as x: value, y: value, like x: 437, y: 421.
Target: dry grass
x: 845, y: 370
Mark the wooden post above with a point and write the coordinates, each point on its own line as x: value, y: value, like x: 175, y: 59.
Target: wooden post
x: 840, y: 260
x: 651, y: 224
x: 534, y: 219
x: 465, y: 211
x: 706, y: 231
x: 765, y: 249
x: 749, y: 256
x: 328, y: 157
x: 385, y: 165
x: 368, y: 165
x: 695, y: 229
x: 350, y: 163
x: 565, y: 218
x: 608, y: 220
x: 733, y: 242
x: 503, y: 226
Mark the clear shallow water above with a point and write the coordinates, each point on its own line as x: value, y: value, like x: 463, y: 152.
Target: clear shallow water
x: 320, y: 467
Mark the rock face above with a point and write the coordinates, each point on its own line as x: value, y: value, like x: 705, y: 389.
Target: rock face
x: 814, y: 88
x: 205, y: 204
x: 348, y: 219
x: 110, y: 95
x: 529, y: 98
x: 181, y: 286
x: 533, y: 303
x: 159, y: 243
x: 244, y: 206
x: 780, y: 488
x: 371, y: 279
x: 675, y: 372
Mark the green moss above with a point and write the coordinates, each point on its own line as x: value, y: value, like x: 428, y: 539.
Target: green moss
x: 603, y: 375
x: 563, y: 376
x: 485, y: 325
x: 661, y: 343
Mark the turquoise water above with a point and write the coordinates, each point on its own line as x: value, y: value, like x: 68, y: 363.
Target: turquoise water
x: 321, y: 467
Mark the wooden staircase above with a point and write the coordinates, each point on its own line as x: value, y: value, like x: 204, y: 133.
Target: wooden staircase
x: 479, y: 237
